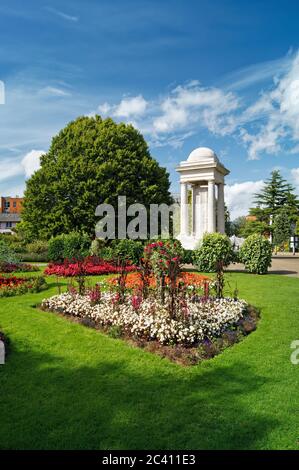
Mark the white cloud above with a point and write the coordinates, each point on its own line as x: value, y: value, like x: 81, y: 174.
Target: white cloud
x: 104, y: 108
x: 134, y: 106
x: 239, y: 197
x: 192, y: 104
x: 31, y: 162
x: 263, y: 126
x: 53, y: 91
x: 9, y: 169
x: 279, y: 108
x: 257, y: 73
x: 12, y: 167
x: 295, y: 149
x: 267, y: 140
x: 295, y: 176
x: 63, y: 15
x: 174, y: 117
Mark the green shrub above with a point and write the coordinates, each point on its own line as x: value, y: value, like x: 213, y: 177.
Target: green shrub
x: 76, y: 245
x: 39, y: 284
x: 127, y: 250
x: 187, y: 256
x: 7, y: 254
x: 40, y: 247
x: 56, y: 248
x: 71, y: 246
x: 256, y: 254
x: 106, y: 253
x: 214, y: 248
x: 33, y: 257
x: 115, y: 331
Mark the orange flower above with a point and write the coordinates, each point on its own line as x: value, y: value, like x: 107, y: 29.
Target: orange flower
x: 133, y: 280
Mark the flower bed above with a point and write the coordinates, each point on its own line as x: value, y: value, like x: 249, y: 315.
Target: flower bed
x: 8, y: 268
x: 159, y: 304
x: 134, y: 281
x: 11, y: 286
x: 11, y: 282
x: 196, y: 321
x: 91, y: 266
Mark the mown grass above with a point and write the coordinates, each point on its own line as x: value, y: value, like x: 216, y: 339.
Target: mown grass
x: 69, y: 387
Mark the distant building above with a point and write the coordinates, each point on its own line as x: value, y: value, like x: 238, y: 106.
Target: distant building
x: 8, y: 222
x: 11, y: 205
x: 251, y: 218
x: 10, y: 213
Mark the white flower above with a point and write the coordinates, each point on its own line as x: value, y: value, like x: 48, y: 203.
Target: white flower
x: 152, y: 321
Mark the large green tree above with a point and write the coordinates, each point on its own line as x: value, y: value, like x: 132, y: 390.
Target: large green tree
x: 281, y: 229
x: 277, y: 194
x: 91, y: 161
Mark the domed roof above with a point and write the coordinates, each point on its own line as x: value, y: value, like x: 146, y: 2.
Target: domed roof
x: 201, y: 153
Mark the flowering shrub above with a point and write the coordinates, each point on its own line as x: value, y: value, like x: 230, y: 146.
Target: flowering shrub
x: 90, y: 266
x: 11, y: 281
x: 95, y: 295
x: 149, y: 319
x: 17, y: 268
x: 11, y: 286
x: 165, y: 260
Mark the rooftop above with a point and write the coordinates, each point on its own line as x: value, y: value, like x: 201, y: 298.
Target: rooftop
x: 4, y: 217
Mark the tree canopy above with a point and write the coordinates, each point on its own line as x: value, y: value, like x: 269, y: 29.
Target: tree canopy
x: 276, y: 194
x: 282, y: 228
x: 91, y: 161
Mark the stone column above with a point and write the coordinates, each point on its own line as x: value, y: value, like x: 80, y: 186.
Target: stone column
x: 184, y: 209
x: 211, y: 206
x: 220, y: 209
x: 193, y: 209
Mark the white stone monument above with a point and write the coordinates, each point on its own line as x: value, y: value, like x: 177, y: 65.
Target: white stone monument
x: 2, y: 353
x: 204, y: 173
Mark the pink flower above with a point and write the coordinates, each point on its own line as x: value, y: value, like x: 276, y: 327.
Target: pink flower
x: 136, y: 302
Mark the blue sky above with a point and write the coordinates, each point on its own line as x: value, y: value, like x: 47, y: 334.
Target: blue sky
x: 222, y: 74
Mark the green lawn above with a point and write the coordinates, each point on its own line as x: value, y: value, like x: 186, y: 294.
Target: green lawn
x: 66, y: 386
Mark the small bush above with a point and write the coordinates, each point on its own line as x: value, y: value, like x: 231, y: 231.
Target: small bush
x: 76, y: 245
x: 56, y: 248
x: 39, y: 247
x: 115, y: 331
x: 215, y: 248
x: 71, y: 246
x: 127, y: 250
x: 39, y: 284
x: 7, y: 254
x: 256, y: 254
x: 106, y: 253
